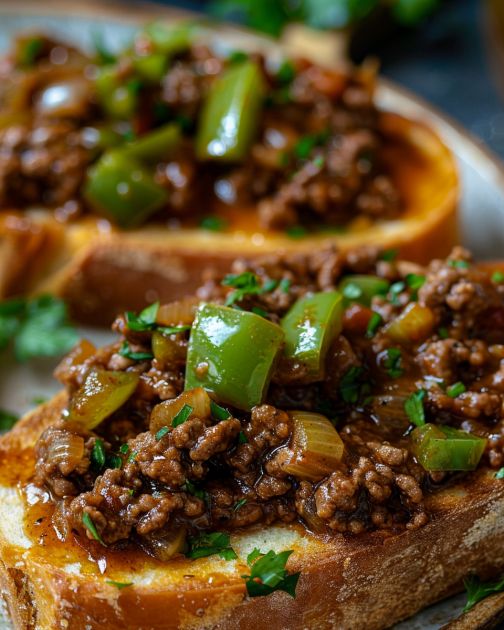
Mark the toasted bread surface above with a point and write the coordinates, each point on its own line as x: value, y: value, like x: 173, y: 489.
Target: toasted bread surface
x: 368, y: 581
x: 101, y: 271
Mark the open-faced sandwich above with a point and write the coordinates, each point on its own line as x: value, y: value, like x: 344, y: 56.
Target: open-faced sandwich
x: 182, y: 152
x: 309, y: 442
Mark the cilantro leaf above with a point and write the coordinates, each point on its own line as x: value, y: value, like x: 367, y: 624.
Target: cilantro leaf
x: 193, y: 489
x: 268, y: 574
x: 7, y: 420
x: 349, y: 385
x: 456, y: 389
x: 145, y: 320
x: 414, y: 408
x: 392, y: 362
x: 128, y: 353
x: 478, y: 590
x: 209, y: 544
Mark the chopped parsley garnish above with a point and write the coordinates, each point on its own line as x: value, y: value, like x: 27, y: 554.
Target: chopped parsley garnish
x: 209, y: 544
x: 193, y: 489
x: 319, y: 161
x: 132, y: 456
x: 395, y: 290
x: 478, y: 590
x: 284, y: 285
x: 214, y: 224
x: 246, y: 283
x: 349, y: 385
x: 98, y: 454
x: 414, y: 408
x: 392, y: 362
x: 145, y: 320
x: 374, y: 321
x: 269, y: 285
x: 161, y: 433
x: 456, y: 389
x: 443, y: 332
x: 286, y: 72
x: 124, y: 448
x: 218, y: 412
x: 105, y: 56
x: 113, y: 461
x: 239, y: 504
x: 296, y: 231
x: 37, y: 328
x: 500, y: 474
x: 415, y: 281
x: 305, y: 145
x: 128, y: 353
x: 119, y: 585
x: 459, y: 264
x: 268, y: 574
x: 182, y: 416
x: 90, y: 526
x: 352, y: 291
x: 388, y: 255
x: 173, y: 330
x: 242, y: 438
x: 498, y: 277
x: 7, y: 420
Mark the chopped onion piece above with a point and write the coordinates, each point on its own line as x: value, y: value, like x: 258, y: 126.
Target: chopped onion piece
x: 163, y: 414
x: 179, y: 312
x: 164, y: 544
x: 316, y: 446
x: 414, y: 324
x: 66, y: 450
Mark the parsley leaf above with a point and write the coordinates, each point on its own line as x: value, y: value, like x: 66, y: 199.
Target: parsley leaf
x: 268, y: 574
x: 349, y: 385
x: 456, y: 389
x: 39, y: 327
x: 284, y: 285
x: 246, y: 283
x: 414, y: 408
x: 459, y: 264
x: 193, y: 489
x: 7, y: 420
x: 374, y: 321
x: 478, y: 590
x: 218, y: 412
x: 98, y: 454
x: 145, y: 320
x: 90, y: 526
x: 209, y: 544
x: 498, y: 277
x: 392, y: 362
x: 182, y: 416
x: 128, y: 353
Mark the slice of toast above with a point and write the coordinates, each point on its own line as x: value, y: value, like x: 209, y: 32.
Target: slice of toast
x: 369, y: 581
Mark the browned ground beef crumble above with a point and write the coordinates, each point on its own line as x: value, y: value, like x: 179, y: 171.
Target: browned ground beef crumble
x: 378, y: 484
x: 44, y: 155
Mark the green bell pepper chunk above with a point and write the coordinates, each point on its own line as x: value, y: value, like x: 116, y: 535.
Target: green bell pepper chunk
x: 230, y: 114
x: 119, y: 188
x: 151, y: 67
x: 118, y: 99
x: 155, y: 145
x: 362, y: 288
x: 443, y: 448
x: 170, y: 40
x: 232, y: 353
x: 310, y: 327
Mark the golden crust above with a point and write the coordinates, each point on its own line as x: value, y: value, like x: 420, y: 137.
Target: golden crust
x: 102, y: 272
x: 369, y: 581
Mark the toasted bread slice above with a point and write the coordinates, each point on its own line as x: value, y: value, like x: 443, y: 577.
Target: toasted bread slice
x: 369, y: 581
x: 101, y: 271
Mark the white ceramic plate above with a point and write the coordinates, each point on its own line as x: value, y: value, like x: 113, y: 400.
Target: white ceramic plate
x: 482, y: 203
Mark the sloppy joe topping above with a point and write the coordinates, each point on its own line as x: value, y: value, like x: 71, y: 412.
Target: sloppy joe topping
x: 337, y: 390
x: 172, y: 131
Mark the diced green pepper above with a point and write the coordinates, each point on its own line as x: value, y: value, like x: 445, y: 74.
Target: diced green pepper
x: 119, y: 188
x: 155, y: 145
x: 361, y: 289
x: 169, y: 39
x: 151, y: 67
x: 231, y: 353
x: 118, y: 99
x: 230, y: 114
x: 443, y: 448
x: 310, y: 326
x: 102, y: 393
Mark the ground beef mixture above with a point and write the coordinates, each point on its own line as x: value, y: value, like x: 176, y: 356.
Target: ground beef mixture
x: 213, y: 474
x: 316, y: 157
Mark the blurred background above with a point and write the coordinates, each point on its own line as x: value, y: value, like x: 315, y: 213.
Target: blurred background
x: 451, y: 52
